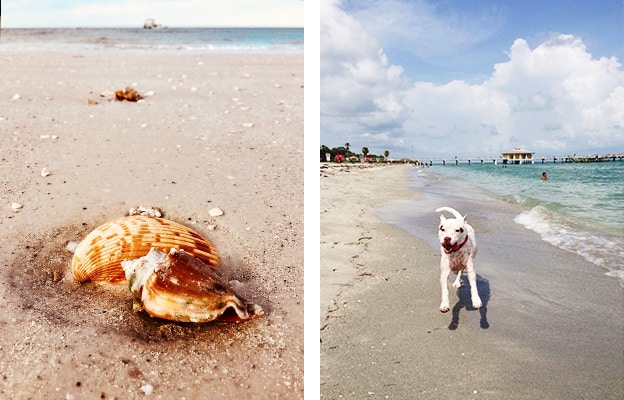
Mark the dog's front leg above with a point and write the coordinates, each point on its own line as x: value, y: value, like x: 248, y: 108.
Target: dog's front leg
x: 472, y: 278
x: 444, y: 273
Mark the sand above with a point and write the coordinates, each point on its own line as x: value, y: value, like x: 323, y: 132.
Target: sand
x: 552, y: 327
x: 213, y: 131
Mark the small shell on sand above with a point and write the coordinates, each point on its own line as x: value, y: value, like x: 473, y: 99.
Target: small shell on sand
x: 215, y: 212
x: 179, y: 287
x: 128, y: 94
x: 45, y: 172
x: 71, y: 246
x: 16, y: 207
x: 147, y: 211
x: 147, y: 389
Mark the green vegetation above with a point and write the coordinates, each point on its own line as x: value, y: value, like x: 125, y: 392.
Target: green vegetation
x: 345, y: 154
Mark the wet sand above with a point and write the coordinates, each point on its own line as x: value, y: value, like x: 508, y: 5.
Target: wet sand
x: 212, y: 131
x: 552, y: 325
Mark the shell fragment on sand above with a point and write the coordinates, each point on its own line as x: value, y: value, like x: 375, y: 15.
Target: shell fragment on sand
x: 147, y: 211
x: 179, y: 287
x: 215, y: 212
x: 128, y: 94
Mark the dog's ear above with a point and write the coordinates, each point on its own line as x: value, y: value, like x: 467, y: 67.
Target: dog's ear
x: 442, y: 218
x: 465, y: 218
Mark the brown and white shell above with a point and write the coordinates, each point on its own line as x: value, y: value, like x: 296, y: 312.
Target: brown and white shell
x: 98, y: 257
x: 179, y: 287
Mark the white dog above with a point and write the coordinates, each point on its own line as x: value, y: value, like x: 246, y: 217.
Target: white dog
x: 459, y: 248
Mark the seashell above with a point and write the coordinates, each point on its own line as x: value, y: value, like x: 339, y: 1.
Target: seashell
x: 127, y: 94
x: 71, y: 246
x: 179, y: 287
x: 98, y: 257
x: 215, y: 212
x: 147, y: 211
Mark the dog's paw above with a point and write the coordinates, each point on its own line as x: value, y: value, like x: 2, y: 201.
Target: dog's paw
x: 457, y: 284
x: 444, y: 308
x: 476, y: 303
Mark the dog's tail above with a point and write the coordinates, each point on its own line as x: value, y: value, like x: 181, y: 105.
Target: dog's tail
x: 451, y: 210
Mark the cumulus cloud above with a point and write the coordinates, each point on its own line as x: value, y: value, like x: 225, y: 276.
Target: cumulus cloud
x: 361, y: 93
x: 554, y: 98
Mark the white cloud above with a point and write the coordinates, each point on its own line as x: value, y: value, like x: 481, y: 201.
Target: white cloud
x: 555, y: 93
x: 360, y: 92
x: 554, y: 98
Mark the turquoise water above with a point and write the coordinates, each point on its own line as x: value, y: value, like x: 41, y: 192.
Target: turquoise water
x: 579, y: 208
x: 213, y: 40
x: 590, y: 194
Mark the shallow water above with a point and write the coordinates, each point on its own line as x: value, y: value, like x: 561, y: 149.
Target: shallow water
x: 198, y: 40
x: 578, y: 209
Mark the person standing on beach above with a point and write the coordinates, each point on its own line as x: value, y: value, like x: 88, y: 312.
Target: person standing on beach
x: 544, y: 176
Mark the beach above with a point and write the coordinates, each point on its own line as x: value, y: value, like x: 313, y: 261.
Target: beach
x: 551, y: 326
x: 212, y: 131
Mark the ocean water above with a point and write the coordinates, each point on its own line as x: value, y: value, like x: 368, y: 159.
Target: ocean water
x: 198, y: 40
x: 579, y: 208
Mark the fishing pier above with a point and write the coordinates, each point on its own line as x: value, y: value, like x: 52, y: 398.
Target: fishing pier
x: 575, y: 158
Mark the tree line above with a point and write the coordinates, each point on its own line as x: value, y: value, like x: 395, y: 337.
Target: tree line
x: 344, y: 153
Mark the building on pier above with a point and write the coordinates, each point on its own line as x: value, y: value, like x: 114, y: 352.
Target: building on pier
x: 517, y: 156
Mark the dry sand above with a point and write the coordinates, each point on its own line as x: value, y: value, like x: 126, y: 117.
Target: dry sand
x: 552, y: 327
x: 219, y: 131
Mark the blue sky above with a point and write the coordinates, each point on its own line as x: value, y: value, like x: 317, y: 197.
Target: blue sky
x: 132, y: 13
x: 472, y: 78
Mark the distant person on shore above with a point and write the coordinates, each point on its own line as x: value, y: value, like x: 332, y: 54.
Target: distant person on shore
x: 544, y: 176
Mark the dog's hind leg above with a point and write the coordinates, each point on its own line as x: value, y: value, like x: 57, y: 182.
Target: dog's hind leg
x: 457, y: 283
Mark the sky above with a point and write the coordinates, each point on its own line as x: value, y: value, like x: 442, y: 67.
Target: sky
x: 436, y: 79
x: 132, y: 13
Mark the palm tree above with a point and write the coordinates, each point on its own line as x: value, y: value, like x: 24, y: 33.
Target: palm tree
x: 386, y: 154
x: 347, y: 147
x: 365, y: 152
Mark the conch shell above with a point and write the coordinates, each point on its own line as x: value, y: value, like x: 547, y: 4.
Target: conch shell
x: 98, y: 257
x: 179, y: 287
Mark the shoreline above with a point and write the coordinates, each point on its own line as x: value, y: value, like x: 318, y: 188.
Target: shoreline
x: 545, y: 332
x: 341, y: 242
x: 168, y: 41
x: 205, y: 137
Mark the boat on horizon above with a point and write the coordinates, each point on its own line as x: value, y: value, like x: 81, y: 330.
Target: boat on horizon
x: 150, y: 23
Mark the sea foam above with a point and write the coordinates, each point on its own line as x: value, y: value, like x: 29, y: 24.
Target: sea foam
x: 601, y: 250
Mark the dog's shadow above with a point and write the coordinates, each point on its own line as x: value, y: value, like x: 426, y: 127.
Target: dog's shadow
x: 483, y: 287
